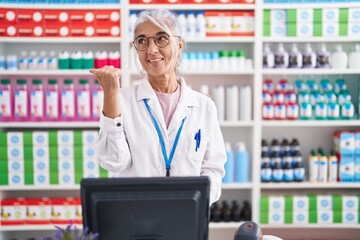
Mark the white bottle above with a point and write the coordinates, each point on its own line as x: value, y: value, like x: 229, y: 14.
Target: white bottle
x: 268, y: 57
x: 295, y: 57
x: 33, y: 60
x: 354, y: 57
x: 23, y: 61
x: 132, y: 20
x: 339, y: 58
x: 309, y: 57
x: 231, y: 103
x: 52, y: 61
x: 183, y: 23
x: 191, y: 25
x: 281, y: 57
x: 200, y: 24
x: 218, y: 93
x: 323, y: 57
x: 245, y: 103
x: 42, y: 61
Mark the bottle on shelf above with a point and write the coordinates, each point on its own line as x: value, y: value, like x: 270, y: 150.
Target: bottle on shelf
x: 97, y: 100
x: 200, y: 24
x: 132, y: 20
x: 241, y: 164
x: 83, y: 100
x: 21, y: 101
x: 313, y: 166
x: 245, y: 103
x: 309, y: 57
x: 288, y: 170
x: 88, y: 60
x: 23, y: 61
x: 277, y: 170
x: 6, y: 100
x: 191, y: 24
x: 64, y: 60
x: 281, y: 57
x: 295, y: 57
x: 268, y: 57
x: 333, y: 167
x: 231, y: 103
x: 323, y: 166
x: 266, y: 171
x: 42, y: 61
x: 354, y: 58
x: 68, y: 100
x: 339, y: 58
x: 76, y: 60
x: 114, y: 59
x: 37, y: 101
x: 52, y: 60
x: 323, y: 57
x: 299, y: 169
x: 11, y: 62
x: 52, y: 100
x: 229, y: 165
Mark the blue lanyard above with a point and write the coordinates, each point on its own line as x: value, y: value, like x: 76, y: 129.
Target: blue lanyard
x: 167, y: 160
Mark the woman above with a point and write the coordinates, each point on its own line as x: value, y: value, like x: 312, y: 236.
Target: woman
x: 159, y: 127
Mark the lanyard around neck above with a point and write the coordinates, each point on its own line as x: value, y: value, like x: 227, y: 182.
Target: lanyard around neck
x: 161, y: 139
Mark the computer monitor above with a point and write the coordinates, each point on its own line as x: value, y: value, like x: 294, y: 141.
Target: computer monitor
x: 161, y: 208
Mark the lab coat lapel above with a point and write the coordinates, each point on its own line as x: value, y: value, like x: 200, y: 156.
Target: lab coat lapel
x: 186, y: 102
x: 145, y: 91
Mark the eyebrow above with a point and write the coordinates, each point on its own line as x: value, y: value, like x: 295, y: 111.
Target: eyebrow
x: 143, y: 35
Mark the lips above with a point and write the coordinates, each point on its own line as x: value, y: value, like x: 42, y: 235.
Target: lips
x: 155, y: 60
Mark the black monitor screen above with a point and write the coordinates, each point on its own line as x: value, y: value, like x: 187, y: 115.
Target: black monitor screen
x: 162, y: 208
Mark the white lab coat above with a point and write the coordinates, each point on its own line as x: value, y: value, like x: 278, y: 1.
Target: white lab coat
x: 129, y: 145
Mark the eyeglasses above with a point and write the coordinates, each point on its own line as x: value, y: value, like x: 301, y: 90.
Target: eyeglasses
x: 161, y: 40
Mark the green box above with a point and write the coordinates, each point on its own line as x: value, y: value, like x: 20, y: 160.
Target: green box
x: 288, y: 217
x: 317, y: 31
x: 337, y: 202
x: 3, y: 139
x: 266, y: 30
x: 312, y: 216
x: 28, y: 153
x: 291, y: 15
x: 343, y: 29
x: 27, y: 135
x: 291, y: 29
x: 289, y: 203
x: 3, y: 152
x: 343, y: 15
x: 77, y: 138
x: 103, y: 173
x: 267, y: 16
x: 264, y: 217
x: 337, y: 216
x: 53, y: 138
x: 317, y: 15
x: 264, y: 204
x: 312, y: 202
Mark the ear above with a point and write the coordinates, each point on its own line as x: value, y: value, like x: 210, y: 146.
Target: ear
x: 181, y: 45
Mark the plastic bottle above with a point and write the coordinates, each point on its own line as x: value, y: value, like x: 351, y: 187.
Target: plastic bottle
x: 191, y: 24
x: 97, y: 100
x: 347, y: 110
x: 264, y: 145
x: 200, y: 24
x: 288, y: 168
x: 132, y: 21
x: 277, y: 171
x: 323, y: 57
x: 245, y: 103
x: 299, y: 169
x: 76, y: 60
x: 333, y: 167
x: 215, y: 61
x: 37, y: 100
x: 295, y: 57
x: 83, y: 100
x: 266, y: 171
x: 333, y: 111
x: 183, y: 23
x: 52, y: 61
x: 42, y: 61
x: 284, y: 146
x: 6, y: 100
x: 305, y: 111
x: 101, y: 59
x: 339, y: 58
x: 52, y: 101
x: 224, y: 60
x: 232, y: 60
x: 323, y: 166
x: 294, y: 145
x: 2, y: 62
x: 231, y: 103
x: 218, y: 93
x: 281, y: 57
x: 114, y: 59
x: 354, y: 58
x: 246, y: 211
x: 313, y: 167
x: 229, y: 165
x: 321, y: 110
x: 241, y: 164
x: 241, y: 60
x: 268, y: 57
x: 21, y: 101
x: 88, y: 60
x: 23, y: 61
x: 68, y: 100
x: 274, y: 147
x: 309, y: 57
x: 64, y: 60
x: 11, y: 62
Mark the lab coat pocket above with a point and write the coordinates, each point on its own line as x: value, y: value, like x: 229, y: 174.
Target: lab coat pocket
x: 196, y: 150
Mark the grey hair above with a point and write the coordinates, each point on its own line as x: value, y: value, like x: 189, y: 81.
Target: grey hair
x: 166, y: 20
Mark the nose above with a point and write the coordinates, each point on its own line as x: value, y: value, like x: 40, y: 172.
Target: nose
x: 152, y: 46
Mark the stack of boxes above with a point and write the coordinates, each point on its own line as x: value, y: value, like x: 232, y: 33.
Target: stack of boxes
x: 347, y: 148
x: 311, y: 209
x: 43, y: 158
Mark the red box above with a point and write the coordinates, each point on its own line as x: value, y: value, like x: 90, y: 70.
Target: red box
x: 13, y: 211
x: 243, y: 1
x: 81, y: 16
x: 56, y: 16
x: 30, y: 30
x: 30, y: 16
x: 8, y: 31
x: 107, y: 16
x: 63, y: 210
x: 38, y: 211
x: 8, y: 16
x: 56, y: 30
x: 218, y: 23
x: 107, y: 30
x: 78, y: 212
x: 243, y: 23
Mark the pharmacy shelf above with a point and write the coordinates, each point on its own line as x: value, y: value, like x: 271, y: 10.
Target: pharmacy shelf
x: 224, y: 225
x: 193, y: 6
x: 312, y: 71
x: 236, y: 186
x: 207, y: 72
x: 59, y: 6
x: 84, y: 124
x: 45, y: 72
x: 309, y: 5
x: 29, y: 227
x: 338, y: 39
x: 311, y: 123
x: 311, y: 226
x: 307, y: 185
x: 40, y: 188
x: 237, y: 124
x: 227, y: 39
x: 60, y: 40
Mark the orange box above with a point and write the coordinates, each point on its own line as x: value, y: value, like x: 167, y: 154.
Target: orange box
x: 30, y: 16
x: 242, y: 23
x: 13, y: 211
x: 8, y: 16
x: 30, y: 30
x: 218, y: 23
x: 56, y: 16
x: 38, y: 211
x: 56, y: 30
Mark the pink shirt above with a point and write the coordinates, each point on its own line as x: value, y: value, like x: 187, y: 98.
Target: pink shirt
x: 168, y: 103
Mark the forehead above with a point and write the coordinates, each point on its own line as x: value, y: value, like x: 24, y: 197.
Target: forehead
x: 148, y: 29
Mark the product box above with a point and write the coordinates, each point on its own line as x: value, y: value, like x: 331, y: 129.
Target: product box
x: 40, y: 138
x: 304, y: 15
x: 41, y: 165
x: 15, y: 138
x: 330, y: 29
x: 13, y: 211
x: 106, y: 30
x: 15, y: 165
x: 243, y: 23
x: 8, y: 16
x: 354, y: 29
x: 63, y: 210
x: 357, y: 169
x: 56, y: 17
x: 15, y: 152
x: 300, y: 203
x: 89, y: 137
x: 66, y: 178
x: 90, y: 165
x: 277, y: 16
x: 346, y: 203
x: 278, y: 29
x: 89, y: 152
x: 324, y: 202
x: 41, y: 152
x: 16, y: 179
x: 218, y: 23
x: 276, y: 203
x: 65, y: 152
x: 344, y: 143
x: 31, y: 16
x: 65, y: 137
x: 346, y: 169
x: 324, y: 216
x: 350, y: 217
x: 354, y: 15
x: 38, y: 211
x: 330, y: 15
x: 66, y: 165
x: 105, y: 16
x: 41, y: 178
x: 276, y: 217
x: 78, y: 16
x: 300, y: 217
x: 26, y: 29
x: 56, y: 30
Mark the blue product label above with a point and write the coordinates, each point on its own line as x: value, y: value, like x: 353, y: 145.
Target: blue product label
x: 41, y: 179
x: 288, y: 175
x: 40, y: 139
x: 325, y: 217
x: 277, y: 175
x: 90, y: 152
x: 14, y: 139
x: 266, y: 175
x: 350, y: 217
x: 299, y: 174
x: 40, y: 166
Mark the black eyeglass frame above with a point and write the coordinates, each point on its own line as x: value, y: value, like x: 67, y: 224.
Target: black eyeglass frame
x: 158, y: 34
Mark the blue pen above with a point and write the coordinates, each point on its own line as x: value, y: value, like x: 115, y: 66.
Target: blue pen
x: 198, y: 139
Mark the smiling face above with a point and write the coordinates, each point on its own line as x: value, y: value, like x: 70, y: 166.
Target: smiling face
x: 158, y: 62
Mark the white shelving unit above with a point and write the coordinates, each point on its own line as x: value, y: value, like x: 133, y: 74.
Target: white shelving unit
x: 310, y: 133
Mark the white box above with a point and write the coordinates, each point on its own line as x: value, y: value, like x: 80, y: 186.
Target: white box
x: 66, y: 165
x: 16, y: 165
x: 89, y: 137
x: 354, y: 15
x: 324, y: 202
x: 41, y: 152
x: 276, y: 203
x: 41, y: 179
x: 15, y: 152
x: 41, y: 165
x: 277, y: 16
x: 278, y: 30
x: 304, y: 29
x: 66, y: 152
x: 330, y: 29
x: 276, y: 217
x: 350, y: 217
x: 300, y: 203
x: 65, y: 137
x: 14, y: 212
x: 324, y: 216
x: 15, y: 138
x: 16, y: 179
x: 39, y: 212
x: 40, y: 138
x: 90, y: 152
x: 304, y: 15
x: 350, y: 203
x: 300, y: 217
x: 66, y: 178
x: 353, y: 29
x: 91, y: 174
x: 330, y: 15
x: 90, y: 165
